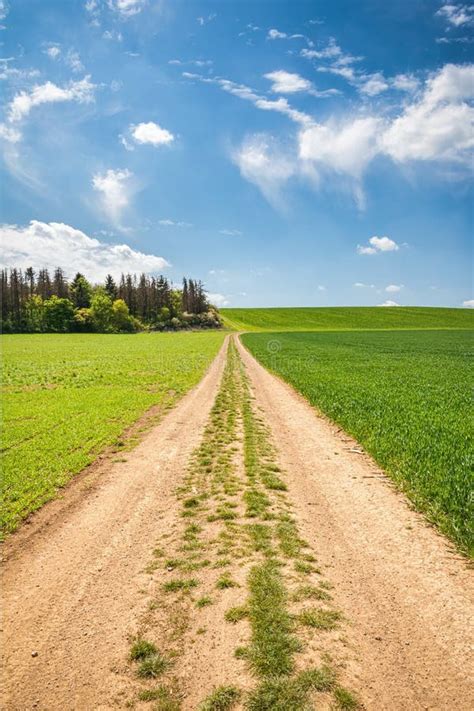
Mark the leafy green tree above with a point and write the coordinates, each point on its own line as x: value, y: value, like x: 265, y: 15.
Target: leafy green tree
x: 58, y: 314
x: 121, y: 320
x: 81, y: 292
x: 34, y: 314
x: 83, y: 321
x: 101, y: 311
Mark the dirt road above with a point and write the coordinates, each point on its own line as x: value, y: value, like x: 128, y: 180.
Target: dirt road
x: 197, y: 498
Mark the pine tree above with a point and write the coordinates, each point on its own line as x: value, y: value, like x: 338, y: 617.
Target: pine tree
x: 111, y: 287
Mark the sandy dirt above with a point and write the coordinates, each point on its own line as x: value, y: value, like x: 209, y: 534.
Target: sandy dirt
x: 76, y: 586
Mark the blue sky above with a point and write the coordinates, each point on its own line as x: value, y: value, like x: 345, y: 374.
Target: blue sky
x: 287, y: 153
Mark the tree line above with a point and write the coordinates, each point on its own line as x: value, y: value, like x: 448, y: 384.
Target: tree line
x: 36, y: 302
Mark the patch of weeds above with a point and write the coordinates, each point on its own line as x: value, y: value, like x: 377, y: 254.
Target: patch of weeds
x: 282, y: 694
x: 345, y: 700
x: 204, y: 601
x: 273, y: 644
x: 235, y: 614
x: 302, y: 567
x: 153, y: 666
x: 158, y: 552
x: 192, y: 502
x: 241, y: 653
x: 261, y: 537
x: 319, y: 619
x: 201, y: 630
x: 308, y: 592
x: 180, y: 584
x: 166, y: 701
x: 225, y: 581
x: 288, y: 537
x: 142, y: 649
x: 221, y: 699
x: 257, y: 503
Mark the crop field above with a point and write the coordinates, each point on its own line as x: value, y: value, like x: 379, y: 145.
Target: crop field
x: 361, y: 318
x: 66, y: 397
x: 405, y: 396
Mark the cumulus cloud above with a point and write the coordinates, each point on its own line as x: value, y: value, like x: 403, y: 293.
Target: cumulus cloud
x: 40, y: 245
x: 127, y: 8
x: 276, y: 34
x: 115, y: 190
x: 289, y: 83
x: 81, y: 92
x: 439, y: 126
x: 389, y: 303
x: 457, y: 15
x: 151, y: 133
x: 262, y: 162
x: 468, y: 304
x: 373, y: 84
x: 378, y: 244
x: 393, y: 288
x: 218, y: 299
x: 405, y: 82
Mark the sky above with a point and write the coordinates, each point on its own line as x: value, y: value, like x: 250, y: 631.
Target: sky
x: 286, y: 152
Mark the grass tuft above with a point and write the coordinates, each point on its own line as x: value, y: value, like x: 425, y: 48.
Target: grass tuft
x: 153, y: 666
x: 142, y: 649
x: 221, y: 699
x: 319, y: 619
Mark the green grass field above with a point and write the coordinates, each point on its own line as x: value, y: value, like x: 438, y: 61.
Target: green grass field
x: 66, y: 397
x: 405, y: 396
x: 359, y: 318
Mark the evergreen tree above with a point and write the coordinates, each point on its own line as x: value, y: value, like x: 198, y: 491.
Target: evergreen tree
x: 81, y: 292
x: 111, y: 287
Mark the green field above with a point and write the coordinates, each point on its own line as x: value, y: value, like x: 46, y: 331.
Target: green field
x: 359, y: 318
x: 66, y: 397
x: 405, y: 396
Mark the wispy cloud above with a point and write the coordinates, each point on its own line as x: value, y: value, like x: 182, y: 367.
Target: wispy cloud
x: 230, y: 233
x: 173, y: 223
x: 79, y: 91
x: 457, y: 15
x: 127, y: 8
x: 394, y: 288
x: 389, y: 302
x: 284, y: 82
x: 115, y: 190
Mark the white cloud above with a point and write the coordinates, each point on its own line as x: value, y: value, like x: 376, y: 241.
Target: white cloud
x: 204, y: 20
x: 12, y: 135
x: 53, y: 51
x: 345, y: 150
x: 468, y: 304
x: 193, y: 62
x: 405, y: 82
x: 321, y: 287
x: 230, y: 233
x: 373, y: 84
x: 80, y: 91
x: 361, y: 285
x: 151, y: 133
x: 3, y: 9
x: 54, y: 244
x: 73, y: 60
x: 457, y: 15
x: 389, y: 303
x: 115, y: 189
x: 218, y: 299
x: 173, y: 223
x: 127, y: 8
x: 287, y: 83
x: 279, y: 105
x: 261, y: 162
x: 113, y: 35
x: 439, y: 126
x: 275, y: 34
x: 331, y: 51
x: 393, y: 288
x: 378, y: 244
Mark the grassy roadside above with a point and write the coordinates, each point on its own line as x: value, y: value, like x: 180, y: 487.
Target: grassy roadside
x: 66, y: 397
x: 239, y: 560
